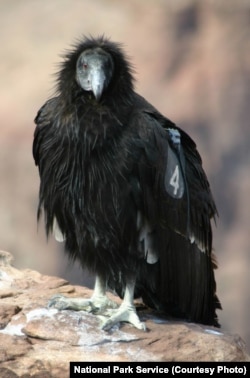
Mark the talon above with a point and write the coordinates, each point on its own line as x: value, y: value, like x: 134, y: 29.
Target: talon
x: 58, y: 301
x: 95, y: 305
x: 125, y: 314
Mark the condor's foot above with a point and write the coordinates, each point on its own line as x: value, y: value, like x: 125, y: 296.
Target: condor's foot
x: 95, y: 304
x: 125, y: 313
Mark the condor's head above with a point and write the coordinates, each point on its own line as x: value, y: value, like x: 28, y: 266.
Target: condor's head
x: 94, y: 71
x: 98, y: 67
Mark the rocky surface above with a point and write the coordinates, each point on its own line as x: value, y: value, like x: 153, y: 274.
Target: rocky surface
x: 36, y: 341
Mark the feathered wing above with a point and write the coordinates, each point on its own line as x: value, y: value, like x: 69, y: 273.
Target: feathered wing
x: 45, y: 148
x: 179, y: 206
x: 43, y: 138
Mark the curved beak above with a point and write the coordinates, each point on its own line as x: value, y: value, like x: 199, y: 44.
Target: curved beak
x: 97, y: 82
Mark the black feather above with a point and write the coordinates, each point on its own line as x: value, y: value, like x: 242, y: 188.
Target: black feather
x: 104, y: 163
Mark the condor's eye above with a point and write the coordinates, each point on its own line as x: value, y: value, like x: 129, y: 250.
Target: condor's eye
x: 85, y: 65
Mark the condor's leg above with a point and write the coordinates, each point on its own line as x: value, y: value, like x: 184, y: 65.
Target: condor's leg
x: 126, y: 312
x: 96, y: 304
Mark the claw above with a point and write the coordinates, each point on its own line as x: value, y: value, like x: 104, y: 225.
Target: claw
x: 95, y: 305
x: 125, y: 313
x: 100, y: 304
x: 58, y: 301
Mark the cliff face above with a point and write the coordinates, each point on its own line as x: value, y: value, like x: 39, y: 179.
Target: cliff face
x: 192, y: 61
x: 37, y: 340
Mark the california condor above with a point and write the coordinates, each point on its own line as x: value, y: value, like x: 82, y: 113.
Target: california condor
x: 125, y: 190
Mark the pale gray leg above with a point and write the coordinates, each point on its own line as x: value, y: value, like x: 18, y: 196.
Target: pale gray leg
x: 126, y: 312
x: 98, y: 302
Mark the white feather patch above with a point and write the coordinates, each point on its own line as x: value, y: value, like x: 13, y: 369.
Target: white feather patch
x: 146, y: 239
x: 197, y: 242
x: 57, y: 232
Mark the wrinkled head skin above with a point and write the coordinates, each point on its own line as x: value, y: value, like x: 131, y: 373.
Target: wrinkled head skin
x: 94, y: 70
x: 97, y: 68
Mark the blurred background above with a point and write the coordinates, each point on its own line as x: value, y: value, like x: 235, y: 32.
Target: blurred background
x: 192, y: 61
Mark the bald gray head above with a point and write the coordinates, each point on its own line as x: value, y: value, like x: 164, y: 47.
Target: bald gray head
x: 94, y: 70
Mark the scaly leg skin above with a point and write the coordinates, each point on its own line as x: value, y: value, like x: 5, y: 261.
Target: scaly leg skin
x: 126, y: 312
x: 98, y: 302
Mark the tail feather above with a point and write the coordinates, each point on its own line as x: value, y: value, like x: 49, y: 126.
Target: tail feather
x: 182, y: 282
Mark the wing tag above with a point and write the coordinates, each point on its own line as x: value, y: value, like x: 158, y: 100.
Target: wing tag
x: 174, y: 181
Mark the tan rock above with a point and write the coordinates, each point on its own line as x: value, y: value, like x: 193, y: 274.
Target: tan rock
x: 36, y: 341
x: 13, y: 347
x: 6, y: 313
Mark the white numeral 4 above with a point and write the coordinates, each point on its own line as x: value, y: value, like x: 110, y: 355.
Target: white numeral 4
x: 174, y: 181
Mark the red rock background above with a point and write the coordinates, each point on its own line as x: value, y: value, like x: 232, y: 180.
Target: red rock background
x: 192, y: 62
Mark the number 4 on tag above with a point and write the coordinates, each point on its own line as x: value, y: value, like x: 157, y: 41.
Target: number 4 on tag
x: 174, y: 180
